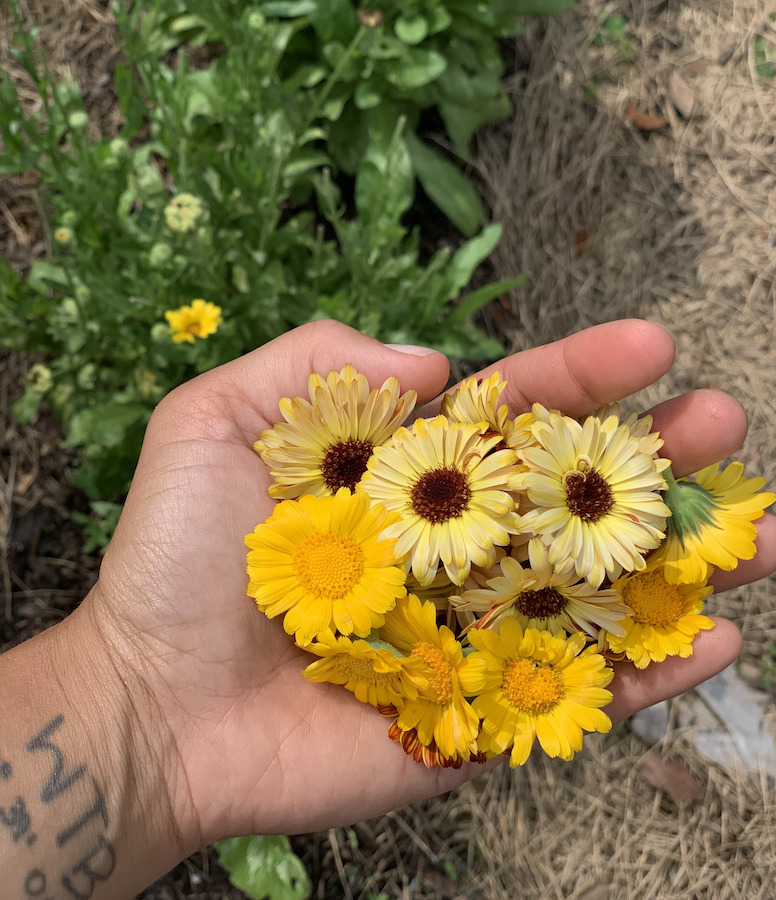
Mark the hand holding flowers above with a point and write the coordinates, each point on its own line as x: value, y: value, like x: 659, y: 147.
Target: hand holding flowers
x: 541, y: 509
x: 241, y: 740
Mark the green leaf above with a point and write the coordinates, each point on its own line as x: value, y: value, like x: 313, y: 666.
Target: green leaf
x: 470, y: 255
x: 104, y: 425
x: 45, y: 275
x: 477, y: 299
x: 540, y: 7
x: 27, y: 405
x: 264, y: 867
x: 289, y: 9
x: 416, y: 68
x: 411, y: 31
x: 446, y: 186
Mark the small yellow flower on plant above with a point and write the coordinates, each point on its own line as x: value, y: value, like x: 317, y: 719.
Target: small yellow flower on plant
x: 199, y: 320
x: 533, y: 685
x: 446, y: 480
x: 325, y: 444
x: 324, y: 563
x: 664, y: 617
x: 712, y: 522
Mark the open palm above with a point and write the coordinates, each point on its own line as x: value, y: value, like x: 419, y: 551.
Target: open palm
x: 251, y: 745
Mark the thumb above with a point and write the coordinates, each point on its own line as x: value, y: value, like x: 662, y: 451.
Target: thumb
x: 246, y: 391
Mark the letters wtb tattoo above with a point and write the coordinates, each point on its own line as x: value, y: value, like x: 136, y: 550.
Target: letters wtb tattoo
x: 80, y: 872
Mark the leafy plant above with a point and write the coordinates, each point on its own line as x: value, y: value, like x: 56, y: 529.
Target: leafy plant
x: 264, y: 867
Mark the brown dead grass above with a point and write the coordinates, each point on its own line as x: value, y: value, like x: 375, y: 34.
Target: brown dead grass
x: 676, y: 225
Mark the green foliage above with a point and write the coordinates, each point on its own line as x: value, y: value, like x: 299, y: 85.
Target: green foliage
x: 269, y: 155
x: 264, y: 867
x: 764, y: 57
x: 768, y: 667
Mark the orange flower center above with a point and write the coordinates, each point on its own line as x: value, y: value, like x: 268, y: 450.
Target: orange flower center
x: 329, y: 564
x: 532, y: 687
x: 653, y: 600
x: 441, y: 681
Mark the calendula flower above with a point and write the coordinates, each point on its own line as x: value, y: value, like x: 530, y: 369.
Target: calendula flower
x: 596, y: 495
x: 199, y: 320
x: 540, y: 597
x: 476, y: 402
x: 446, y: 482
x: 374, y: 671
x: 712, y: 522
x: 183, y: 213
x: 440, y: 714
x: 533, y: 685
x: 325, y: 443
x: 323, y: 562
x: 664, y: 617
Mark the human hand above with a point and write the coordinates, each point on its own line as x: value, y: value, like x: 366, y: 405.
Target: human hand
x: 249, y: 745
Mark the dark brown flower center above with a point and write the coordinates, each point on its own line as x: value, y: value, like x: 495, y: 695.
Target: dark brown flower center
x: 542, y: 604
x: 344, y: 464
x: 441, y: 494
x: 588, y: 495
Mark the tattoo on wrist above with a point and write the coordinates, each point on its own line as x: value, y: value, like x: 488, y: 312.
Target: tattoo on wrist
x: 86, y: 861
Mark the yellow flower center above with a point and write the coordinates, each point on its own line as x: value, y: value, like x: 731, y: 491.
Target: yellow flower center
x: 532, y: 687
x: 194, y: 328
x: 653, y: 600
x: 441, y: 682
x: 441, y: 494
x: 329, y: 564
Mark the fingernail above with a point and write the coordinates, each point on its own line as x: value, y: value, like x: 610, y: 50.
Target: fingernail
x: 412, y: 349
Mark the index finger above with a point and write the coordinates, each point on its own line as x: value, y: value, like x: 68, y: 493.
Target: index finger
x: 589, y: 369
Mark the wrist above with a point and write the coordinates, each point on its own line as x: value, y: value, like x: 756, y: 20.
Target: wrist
x: 83, y: 774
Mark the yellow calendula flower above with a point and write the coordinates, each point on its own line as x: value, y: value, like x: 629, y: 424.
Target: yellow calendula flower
x: 532, y: 685
x: 712, y: 522
x: 595, y: 495
x: 539, y: 597
x: 446, y: 481
x: 325, y: 443
x: 199, y: 320
x: 476, y: 402
x: 664, y: 617
x: 440, y: 715
x: 323, y: 563
x: 374, y: 672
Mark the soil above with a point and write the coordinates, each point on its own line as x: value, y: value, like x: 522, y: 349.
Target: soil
x: 613, y: 213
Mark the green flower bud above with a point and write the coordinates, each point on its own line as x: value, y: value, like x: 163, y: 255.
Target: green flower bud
x: 40, y: 378
x: 78, y: 119
x: 159, y: 254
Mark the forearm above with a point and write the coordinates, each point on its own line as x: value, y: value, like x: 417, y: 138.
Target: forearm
x: 84, y: 810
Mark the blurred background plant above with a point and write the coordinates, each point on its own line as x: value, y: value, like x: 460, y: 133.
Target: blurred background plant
x: 268, y: 156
